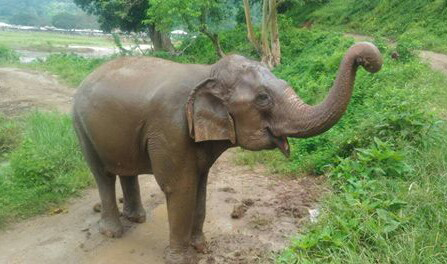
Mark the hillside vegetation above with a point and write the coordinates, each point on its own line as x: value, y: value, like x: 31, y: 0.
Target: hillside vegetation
x: 421, y: 21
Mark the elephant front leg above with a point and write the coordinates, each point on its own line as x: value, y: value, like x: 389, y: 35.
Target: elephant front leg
x: 198, y: 240
x: 181, y: 202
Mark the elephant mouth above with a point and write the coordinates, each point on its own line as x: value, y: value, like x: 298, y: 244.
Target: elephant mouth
x: 281, y: 142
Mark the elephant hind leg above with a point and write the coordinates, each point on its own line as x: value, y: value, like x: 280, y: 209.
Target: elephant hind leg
x: 109, y: 225
x: 133, y: 208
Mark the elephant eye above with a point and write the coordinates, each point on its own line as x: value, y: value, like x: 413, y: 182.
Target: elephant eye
x: 263, y: 99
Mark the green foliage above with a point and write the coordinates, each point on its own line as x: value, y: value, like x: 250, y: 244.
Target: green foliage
x: 71, y: 68
x: 39, y: 176
x: 125, y: 15
x: 8, y: 55
x: 195, y: 14
x: 422, y: 20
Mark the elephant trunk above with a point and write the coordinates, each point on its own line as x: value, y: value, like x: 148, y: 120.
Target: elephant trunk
x: 308, y: 121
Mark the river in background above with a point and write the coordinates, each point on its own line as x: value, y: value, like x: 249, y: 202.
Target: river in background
x: 30, y: 55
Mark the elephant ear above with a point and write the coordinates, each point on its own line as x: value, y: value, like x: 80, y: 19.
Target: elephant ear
x: 208, y: 117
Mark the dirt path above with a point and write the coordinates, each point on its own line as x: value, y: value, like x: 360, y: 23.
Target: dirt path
x: 22, y: 89
x: 275, y: 207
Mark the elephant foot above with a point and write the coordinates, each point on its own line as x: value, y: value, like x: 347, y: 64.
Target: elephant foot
x: 111, y: 227
x: 180, y: 256
x: 199, y: 244
x: 136, y: 216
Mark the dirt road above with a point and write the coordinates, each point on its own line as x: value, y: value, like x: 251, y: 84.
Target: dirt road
x: 275, y: 207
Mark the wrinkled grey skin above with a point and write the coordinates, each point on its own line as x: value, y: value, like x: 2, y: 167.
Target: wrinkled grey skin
x: 146, y: 115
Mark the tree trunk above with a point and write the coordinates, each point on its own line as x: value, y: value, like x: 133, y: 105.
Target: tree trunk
x: 274, y: 34
x: 269, y: 46
x: 265, y: 32
x: 250, y: 30
x: 160, y: 41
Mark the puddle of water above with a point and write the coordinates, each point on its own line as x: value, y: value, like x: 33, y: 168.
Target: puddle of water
x: 28, y: 56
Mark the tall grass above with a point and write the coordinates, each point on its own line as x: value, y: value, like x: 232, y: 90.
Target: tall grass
x: 44, y: 169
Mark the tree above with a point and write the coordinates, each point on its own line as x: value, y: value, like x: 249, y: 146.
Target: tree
x: 128, y: 16
x: 268, y: 46
x: 202, y: 16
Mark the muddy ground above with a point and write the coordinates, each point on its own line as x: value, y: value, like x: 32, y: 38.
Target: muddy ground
x: 251, y: 214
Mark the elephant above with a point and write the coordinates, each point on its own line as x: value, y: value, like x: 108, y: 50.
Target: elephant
x: 142, y: 115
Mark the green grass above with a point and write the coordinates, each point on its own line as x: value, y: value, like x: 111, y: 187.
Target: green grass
x: 422, y: 21
x: 70, y: 68
x: 46, y: 41
x: 45, y: 165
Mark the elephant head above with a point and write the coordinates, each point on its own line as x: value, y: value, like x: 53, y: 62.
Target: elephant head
x: 242, y: 101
